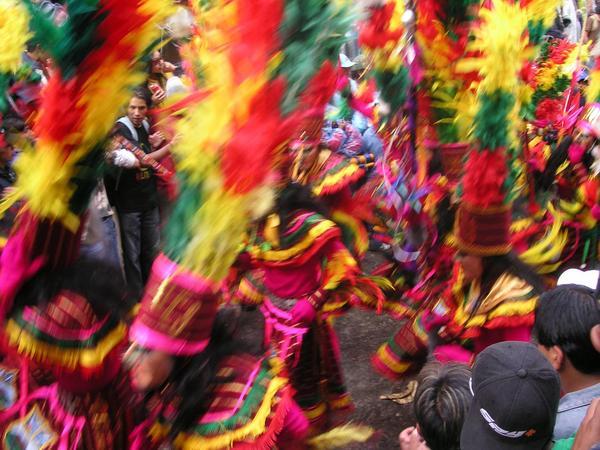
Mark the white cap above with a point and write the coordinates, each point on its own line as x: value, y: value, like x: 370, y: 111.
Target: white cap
x: 346, y: 62
x: 587, y: 278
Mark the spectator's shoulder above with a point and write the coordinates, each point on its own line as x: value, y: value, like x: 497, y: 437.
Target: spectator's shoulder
x: 120, y: 129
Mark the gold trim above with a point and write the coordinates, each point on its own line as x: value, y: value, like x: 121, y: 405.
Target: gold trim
x: 487, y: 210
x: 300, y: 247
x: 505, y: 299
x: 480, y: 250
x: 251, y: 430
x: 44, y: 352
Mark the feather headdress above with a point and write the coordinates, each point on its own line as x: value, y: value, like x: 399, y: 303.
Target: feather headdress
x: 484, y: 216
x: 14, y: 34
x: 260, y: 62
x: 93, y: 53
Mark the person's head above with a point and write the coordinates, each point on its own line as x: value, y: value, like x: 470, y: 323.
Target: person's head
x: 472, y: 266
x: 595, y: 337
x: 564, y: 319
x: 515, y: 399
x: 156, y: 63
x: 7, y: 152
x: 35, y: 51
x: 488, y: 269
x: 137, y: 109
x: 175, y: 322
x: 309, y: 157
x: 189, y: 377
x: 294, y: 197
x: 441, y: 404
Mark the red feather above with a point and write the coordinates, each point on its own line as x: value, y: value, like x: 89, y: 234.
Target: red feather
x: 252, y: 153
x: 375, y: 32
x: 320, y: 89
x: 60, y: 112
x: 256, y: 37
x: 485, y: 174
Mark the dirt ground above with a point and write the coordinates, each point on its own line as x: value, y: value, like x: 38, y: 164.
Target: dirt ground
x: 360, y: 335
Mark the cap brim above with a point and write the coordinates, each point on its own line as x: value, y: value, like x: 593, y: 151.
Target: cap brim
x: 477, y: 435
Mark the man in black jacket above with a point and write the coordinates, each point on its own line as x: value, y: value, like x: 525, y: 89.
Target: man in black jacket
x: 131, y: 187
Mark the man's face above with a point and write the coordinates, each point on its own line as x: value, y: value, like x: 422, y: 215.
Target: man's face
x: 6, y: 154
x: 137, y: 111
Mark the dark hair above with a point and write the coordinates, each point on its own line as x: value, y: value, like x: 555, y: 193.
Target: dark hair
x: 441, y: 404
x: 564, y: 317
x: 143, y: 94
x: 193, y: 378
x: 296, y: 197
x: 495, y: 266
x: 100, y: 282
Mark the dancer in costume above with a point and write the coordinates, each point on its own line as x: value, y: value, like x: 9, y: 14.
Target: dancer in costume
x: 406, y: 351
x: 201, y: 393
x: 304, y: 262
x: 571, y: 175
x: 60, y: 315
x: 499, y: 293
x: 230, y: 147
x: 66, y: 326
x: 331, y: 177
x: 491, y: 296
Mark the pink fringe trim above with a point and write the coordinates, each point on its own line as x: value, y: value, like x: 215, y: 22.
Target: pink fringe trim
x: 151, y: 339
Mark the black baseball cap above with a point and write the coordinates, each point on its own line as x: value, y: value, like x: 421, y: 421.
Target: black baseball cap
x: 515, y: 399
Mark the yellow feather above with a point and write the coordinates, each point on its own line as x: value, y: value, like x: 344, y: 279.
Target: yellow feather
x: 14, y: 34
x: 544, y: 10
x: 501, y: 37
x: 341, y: 436
x: 593, y: 90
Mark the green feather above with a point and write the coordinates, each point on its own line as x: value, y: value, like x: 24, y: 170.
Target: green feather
x: 393, y: 88
x: 178, y: 231
x: 4, y: 83
x: 555, y: 91
x: 537, y: 30
x: 312, y: 32
x: 491, y: 121
x: 45, y: 32
x: 458, y: 11
x: 70, y: 43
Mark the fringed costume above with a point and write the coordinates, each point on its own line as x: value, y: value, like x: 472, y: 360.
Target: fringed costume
x: 249, y: 406
x: 306, y: 261
x: 64, y: 388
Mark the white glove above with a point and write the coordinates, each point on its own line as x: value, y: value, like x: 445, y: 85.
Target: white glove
x: 124, y: 158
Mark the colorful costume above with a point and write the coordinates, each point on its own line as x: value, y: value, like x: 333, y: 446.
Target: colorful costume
x: 228, y: 154
x: 250, y: 405
x: 60, y: 345
x: 306, y: 261
x: 331, y: 177
x: 484, y: 214
x: 90, y: 404
x: 461, y: 61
